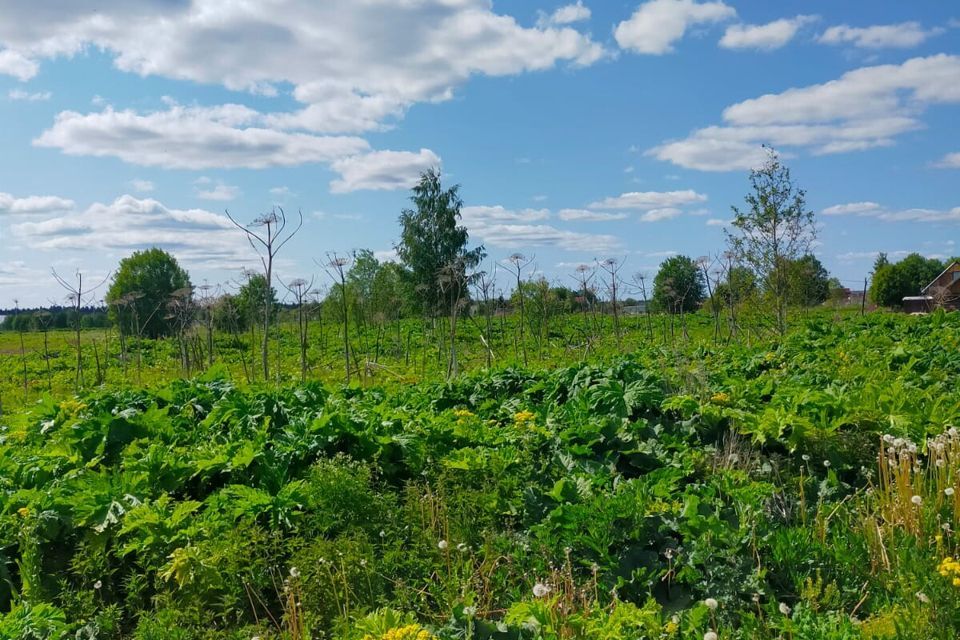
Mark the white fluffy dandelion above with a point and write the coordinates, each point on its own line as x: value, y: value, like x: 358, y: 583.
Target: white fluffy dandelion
x: 784, y: 608
x: 442, y: 545
x: 917, y: 500
x: 710, y: 635
x: 948, y: 491
x: 540, y: 590
x: 294, y: 572
x: 711, y: 603
x: 97, y: 585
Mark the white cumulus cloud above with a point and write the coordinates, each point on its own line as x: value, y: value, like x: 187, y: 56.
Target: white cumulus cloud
x: 647, y: 200
x: 886, y: 36
x: 196, y: 236
x: 587, y: 215
x: 353, y: 65
x: 31, y: 205
x: 17, y: 65
x: 498, y: 226
x: 772, y: 35
x: 949, y: 161
x: 657, y: 24
x: 382, y: 170
x: 862, y: 109
x: 567, y: 14
x: 879, y: 212
x: 180, y: 137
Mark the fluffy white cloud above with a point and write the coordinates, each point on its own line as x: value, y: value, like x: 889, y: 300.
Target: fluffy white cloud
x: 852, y: 208
x: 717, y: 222
x: 33, y: 205
x: 567, y: 14
x: 520, y: 236
x: 25, y: 96
x: 497, y: 226
x: 879, y: 212
x: 352, y: 64
x: 894, y: 36
x: 17, y: 65
x: 864, y: 108
x: 479, y: 215
x: 772, y: 35
x: 381, y: 170
x: 647, y: 200
x: 196, y: 236
x: 658, y: 215
x: 949, y: 161
x: 192, y: 138
x: 586, y: 215
x: 656, y: 25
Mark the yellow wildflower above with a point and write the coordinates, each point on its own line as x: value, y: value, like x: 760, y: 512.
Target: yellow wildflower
x: 463, y: 413
x: 522, y: 418
x: 23, y: 511
x: 949, y: 567
x: 407, y: 632
x: 671, y: 627
x: 720, y: 397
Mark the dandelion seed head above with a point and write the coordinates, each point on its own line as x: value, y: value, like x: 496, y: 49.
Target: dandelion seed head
x: 784, y: 608
x: 917, y: 500
x: 711, y: 603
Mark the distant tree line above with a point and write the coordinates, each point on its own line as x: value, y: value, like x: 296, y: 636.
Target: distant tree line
x: 55, y: 317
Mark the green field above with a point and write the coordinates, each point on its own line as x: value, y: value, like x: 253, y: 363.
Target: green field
x: 646, y: 485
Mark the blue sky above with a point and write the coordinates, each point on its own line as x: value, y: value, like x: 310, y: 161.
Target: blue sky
x: 577, y: 131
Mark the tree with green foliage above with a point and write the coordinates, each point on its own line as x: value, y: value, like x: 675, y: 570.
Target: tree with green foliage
x: 434, y: 243
x: 250, y: 299
x: 142, y: 287
x: 678, y: 286
x: 892, y: 282
x: 775, y: 228
x: 808, y: 281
